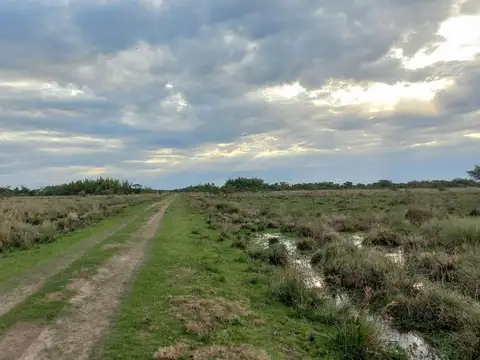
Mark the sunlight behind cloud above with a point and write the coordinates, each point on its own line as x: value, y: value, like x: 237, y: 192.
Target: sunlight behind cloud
x: 283, y: 92
x: 461, y: 42
x: 473, y: 135
x: 96, y: 171
x: 372, y: 97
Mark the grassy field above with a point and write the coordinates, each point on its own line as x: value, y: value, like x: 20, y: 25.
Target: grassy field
x: 408, y: 258
x: 200, y: 295
x: 26, y: 221
x: 293, y: 275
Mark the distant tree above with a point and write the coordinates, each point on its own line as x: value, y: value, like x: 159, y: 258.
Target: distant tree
x: 347, y: 185
x: 245, y: 184
x: 474, y: 173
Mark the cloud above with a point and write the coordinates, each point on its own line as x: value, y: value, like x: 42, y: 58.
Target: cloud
x: 171, y: 92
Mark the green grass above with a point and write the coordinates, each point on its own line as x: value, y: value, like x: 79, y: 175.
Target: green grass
x: 16, y: 262
x: 38, y: 307
x: 186, y: 263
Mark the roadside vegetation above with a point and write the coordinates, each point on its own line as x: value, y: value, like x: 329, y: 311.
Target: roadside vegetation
x: 28, y: 221
x: 100, y: 186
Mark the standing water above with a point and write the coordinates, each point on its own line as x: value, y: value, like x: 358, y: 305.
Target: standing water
x: 415, y: 346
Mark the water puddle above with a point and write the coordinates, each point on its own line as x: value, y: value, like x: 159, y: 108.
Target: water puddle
x: 312, y: 278
x: 415, y: 346
x: 397, y: 257
x: 267, y: 238
x: 302, y: 264
x: 357, y: 240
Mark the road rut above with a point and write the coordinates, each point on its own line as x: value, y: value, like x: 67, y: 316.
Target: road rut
x: 19, y: 288
x: 74, y: 335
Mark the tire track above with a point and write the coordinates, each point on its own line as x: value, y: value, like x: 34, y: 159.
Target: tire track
x: 18, y: 289
x: 73, y: 336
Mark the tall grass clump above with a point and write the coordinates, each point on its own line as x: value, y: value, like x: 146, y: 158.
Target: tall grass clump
x: 459, y: 231
x: 278, y: 255
x: 289, y: 288
x: 356, y: 338
x: 355, y: 268
x: 440, y: 311
x: 383, y: 237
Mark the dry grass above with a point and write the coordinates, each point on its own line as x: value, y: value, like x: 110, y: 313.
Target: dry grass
x: 30, y: 220
x: 237, y: 352
x: 213, y: 352
x: 204, y: 315
x: 173, y: 352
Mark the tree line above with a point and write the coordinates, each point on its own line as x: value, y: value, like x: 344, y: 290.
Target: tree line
x: 258, y: 184
x: 111, y: 186
x: 100, y: 186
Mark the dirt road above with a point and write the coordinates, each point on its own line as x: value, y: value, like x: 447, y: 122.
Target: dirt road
x: 19, y: 288
x: 73, y: 334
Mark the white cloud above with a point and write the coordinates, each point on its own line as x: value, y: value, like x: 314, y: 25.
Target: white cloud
x: 33, y: 87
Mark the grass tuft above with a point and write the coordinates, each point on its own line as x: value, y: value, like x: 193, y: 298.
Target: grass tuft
x: 290, y: 289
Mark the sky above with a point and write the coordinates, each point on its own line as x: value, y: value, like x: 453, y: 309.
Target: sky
x: 168, y: 93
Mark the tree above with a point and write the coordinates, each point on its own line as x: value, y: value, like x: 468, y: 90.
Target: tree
x: 474, y: 173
